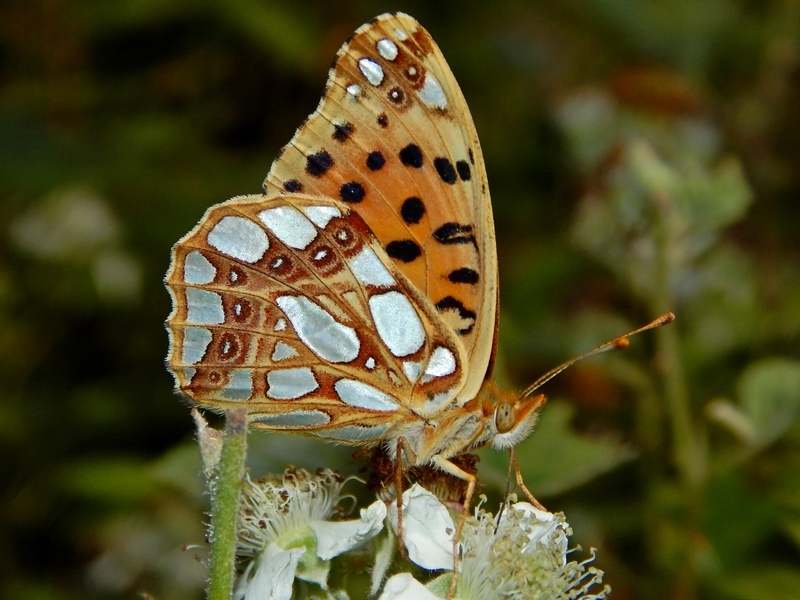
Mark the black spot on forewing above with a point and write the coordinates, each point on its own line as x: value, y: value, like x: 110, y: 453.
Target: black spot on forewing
x: 453, y: 233
x: 445, y: 169
x: 319, y: 163
x: 383, y: 120
x: 375, y: 161
x: 352, y: 192
x: 412, y: 210
x: 464, y: 275
x: 404, y: 250
x: 463, y: 169
x: 411, y: 156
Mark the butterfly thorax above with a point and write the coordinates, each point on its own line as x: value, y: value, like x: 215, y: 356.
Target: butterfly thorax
x: 449, y: 434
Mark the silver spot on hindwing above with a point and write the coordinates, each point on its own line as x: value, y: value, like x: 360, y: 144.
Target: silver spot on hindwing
x: 195, y: 344
x: 362, y: 395
x: 441, y: 363
x: 322, y: 215
x: 354, y: 90
x: 283, y: 351
x: 355, y: 433
x: 316, y: 327
x: 239, y: 238
x: 289, y: 225
x: 290, y: 384
x: 369, y: 269
x: 397, y: 323
x: 297, y: 418
x: 197, y: 269
x: 204, y: 307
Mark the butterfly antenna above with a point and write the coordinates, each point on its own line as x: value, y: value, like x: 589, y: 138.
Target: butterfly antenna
x: 616, y: 344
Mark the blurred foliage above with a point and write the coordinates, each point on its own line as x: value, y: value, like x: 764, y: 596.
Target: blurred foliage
x: 643, y: 157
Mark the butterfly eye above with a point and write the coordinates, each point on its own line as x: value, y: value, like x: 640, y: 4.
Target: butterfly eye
x: 505, y: 417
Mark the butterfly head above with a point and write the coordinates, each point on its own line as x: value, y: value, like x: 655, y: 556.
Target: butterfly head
x: 512, y: 416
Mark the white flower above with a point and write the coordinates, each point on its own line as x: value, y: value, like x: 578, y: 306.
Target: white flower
x: 524, y: 555
x: 427, y: 529
x: 273, y: 577
x: 337, y: 537
x: 284, y: 529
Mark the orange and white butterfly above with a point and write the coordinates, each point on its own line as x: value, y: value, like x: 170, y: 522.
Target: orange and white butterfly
x: 356, y: 300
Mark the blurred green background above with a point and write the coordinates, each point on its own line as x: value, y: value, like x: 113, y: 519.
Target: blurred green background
x: 643, y: 156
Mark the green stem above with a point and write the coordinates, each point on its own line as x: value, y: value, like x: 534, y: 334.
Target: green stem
x: 226, y: 489
x: 686, y: 446
x: 689, y: 449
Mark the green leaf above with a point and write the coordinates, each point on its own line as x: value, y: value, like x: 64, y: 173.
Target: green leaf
x: 769, y: 394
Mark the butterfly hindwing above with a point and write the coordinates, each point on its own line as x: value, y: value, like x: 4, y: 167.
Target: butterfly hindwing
x: 291, y: 305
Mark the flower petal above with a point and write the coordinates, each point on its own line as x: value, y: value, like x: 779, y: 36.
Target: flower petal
x: 334, y: 538
x: 404, y: 587
x: 274, y: 574
x: 384, y: 552
x: 427, y: 529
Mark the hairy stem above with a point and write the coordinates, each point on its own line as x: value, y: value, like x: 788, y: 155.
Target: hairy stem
x: 225, y: 493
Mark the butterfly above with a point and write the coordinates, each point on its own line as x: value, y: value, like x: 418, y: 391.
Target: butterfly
x: 355, y: 300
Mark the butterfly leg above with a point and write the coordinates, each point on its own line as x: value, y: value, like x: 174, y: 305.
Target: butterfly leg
x: 518, y: 475
x: 451, y: 469
x: 402, y: 446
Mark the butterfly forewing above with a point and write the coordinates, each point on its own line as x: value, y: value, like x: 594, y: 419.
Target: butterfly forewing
x: 394, y: 139
x: 291, y: 306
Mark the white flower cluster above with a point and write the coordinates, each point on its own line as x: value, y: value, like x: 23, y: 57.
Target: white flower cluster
x: 288, y: 531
